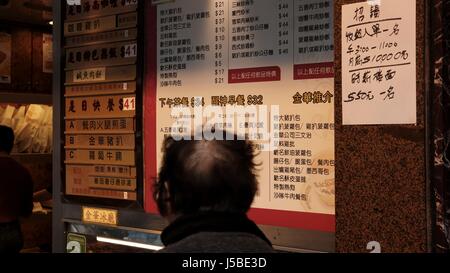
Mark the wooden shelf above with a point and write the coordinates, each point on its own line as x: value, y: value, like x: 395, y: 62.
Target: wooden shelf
x: 7, y: 96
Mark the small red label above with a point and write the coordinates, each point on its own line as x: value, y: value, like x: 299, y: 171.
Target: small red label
x: 256, y: 74
x: 313, y: 71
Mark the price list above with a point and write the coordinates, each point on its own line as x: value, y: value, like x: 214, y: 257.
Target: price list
x: 272, y: 55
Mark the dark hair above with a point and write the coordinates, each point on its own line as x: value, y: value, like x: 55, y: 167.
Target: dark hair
x: 6, y: 139
x: 206, y: 175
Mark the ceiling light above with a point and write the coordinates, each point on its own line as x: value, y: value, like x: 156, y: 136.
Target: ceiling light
x: 127, y: 243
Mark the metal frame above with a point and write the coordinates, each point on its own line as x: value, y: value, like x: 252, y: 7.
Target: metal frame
x: 43, y: 28
x: 429, y: 157
x: 25, y: 98
x: 58, y: 226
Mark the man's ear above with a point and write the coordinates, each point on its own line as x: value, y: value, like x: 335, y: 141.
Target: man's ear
x: 170, y: 213
x: 166, y: 192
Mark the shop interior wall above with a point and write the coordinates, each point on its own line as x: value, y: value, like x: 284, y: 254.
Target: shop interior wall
x: 27, y: 77
x: 26, y: 63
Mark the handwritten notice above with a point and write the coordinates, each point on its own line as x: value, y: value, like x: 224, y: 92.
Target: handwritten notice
x: 379, y: 62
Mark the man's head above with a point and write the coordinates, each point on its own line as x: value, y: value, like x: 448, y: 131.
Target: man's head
x: 206, y: 175
x: 6, y: 139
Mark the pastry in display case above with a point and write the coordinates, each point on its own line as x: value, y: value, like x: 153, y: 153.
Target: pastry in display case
x: 32, y: 125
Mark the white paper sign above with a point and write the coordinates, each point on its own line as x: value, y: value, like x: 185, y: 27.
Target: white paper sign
x: 379, y: 62
x: 73, y: 2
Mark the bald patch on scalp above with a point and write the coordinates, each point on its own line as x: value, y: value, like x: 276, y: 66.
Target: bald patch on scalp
x: 217, y: 175
x: 204, y: 156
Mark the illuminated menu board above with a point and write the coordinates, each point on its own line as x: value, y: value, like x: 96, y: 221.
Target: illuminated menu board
x: 273, y: 59
x: 101, y: 53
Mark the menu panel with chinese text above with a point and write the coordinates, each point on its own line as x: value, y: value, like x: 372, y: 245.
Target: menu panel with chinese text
x: 272, y: 55
x: 101, y: 49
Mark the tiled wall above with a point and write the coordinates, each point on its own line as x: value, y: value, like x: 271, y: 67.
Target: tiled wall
x: 441, y: 123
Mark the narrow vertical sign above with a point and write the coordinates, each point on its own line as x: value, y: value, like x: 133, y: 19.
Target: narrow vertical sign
x: 379, y: 62
x: 47, y: 53
x: 5, y: 57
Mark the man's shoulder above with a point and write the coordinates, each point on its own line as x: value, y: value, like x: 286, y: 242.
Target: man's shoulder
x: 9, y: 165
x: 220, y: 242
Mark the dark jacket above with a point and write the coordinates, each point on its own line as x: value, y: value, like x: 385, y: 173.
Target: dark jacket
x: 214, y: 232
x: 16, y: 200
x: 16, y: 190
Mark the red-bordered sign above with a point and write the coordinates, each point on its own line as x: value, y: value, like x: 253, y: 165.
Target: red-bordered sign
x: 290, y: 219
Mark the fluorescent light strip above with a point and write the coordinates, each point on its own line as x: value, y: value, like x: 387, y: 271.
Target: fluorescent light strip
x: 127, y: 243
